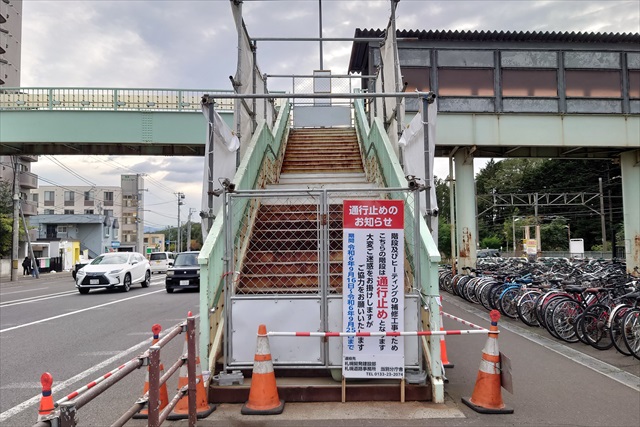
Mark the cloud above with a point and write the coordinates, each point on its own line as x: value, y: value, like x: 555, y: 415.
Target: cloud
x: 192, y: 44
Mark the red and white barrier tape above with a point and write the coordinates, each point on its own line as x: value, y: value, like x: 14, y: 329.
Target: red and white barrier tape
x: 91, y: 384
x: 464, y: 322
x: 375, y: 334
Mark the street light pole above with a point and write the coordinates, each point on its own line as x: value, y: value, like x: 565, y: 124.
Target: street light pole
x: 179, y: 238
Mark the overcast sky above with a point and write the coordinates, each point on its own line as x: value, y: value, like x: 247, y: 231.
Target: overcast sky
x: 192, y: 44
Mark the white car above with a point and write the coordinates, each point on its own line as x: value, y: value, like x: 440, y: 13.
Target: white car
x: 114, y: 270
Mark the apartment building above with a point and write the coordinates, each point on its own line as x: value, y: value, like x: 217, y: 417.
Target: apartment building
x: 10, y: 42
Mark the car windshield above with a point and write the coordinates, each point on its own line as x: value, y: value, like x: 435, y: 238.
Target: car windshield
x: 110, y: 259
x: 155, y: 257
x: 186, y: 260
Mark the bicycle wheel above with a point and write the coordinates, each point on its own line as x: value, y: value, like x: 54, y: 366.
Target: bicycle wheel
x: 544, y: 298
x: 631, y: 328
x: 594, y: 326
x: 526, y: 308
x: 508, y: 302
x: 469, y: 290
x: 484, y: 294
x: 617, y: 329
x: 564, y: 317
x: 494, y: 294
x: 578, y: 328
x: 547, y: 310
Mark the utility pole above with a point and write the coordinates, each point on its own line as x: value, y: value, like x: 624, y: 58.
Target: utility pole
x: 16, y: 213
x: 139, y: 218
x: 191, y: 211
x: 179, y: 238
x: 602, y: 217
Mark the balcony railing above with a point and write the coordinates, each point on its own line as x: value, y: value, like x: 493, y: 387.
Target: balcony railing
x: 28, y: 180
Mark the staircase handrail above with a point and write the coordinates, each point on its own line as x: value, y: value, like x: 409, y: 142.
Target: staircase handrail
x: 265, y: 143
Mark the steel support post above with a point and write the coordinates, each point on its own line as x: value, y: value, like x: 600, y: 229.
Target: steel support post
x: 191, y: 369
x: 630, y: 165
x: 154, y: 386
x: 466, y: 229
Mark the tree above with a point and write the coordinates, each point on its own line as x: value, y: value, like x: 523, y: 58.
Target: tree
x: 6, y: 219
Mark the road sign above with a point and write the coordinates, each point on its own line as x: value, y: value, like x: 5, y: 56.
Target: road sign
x: 115, y: 243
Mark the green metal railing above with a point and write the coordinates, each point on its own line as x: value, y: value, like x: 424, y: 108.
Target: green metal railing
x: 377, y: 151
x: 115, y: 99
x: 259, y: 161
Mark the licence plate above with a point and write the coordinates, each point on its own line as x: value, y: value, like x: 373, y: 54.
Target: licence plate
x: 184, y: 283
x: 94, y: 281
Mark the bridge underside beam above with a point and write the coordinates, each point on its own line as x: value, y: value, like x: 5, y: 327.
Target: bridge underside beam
x: 537, y: 135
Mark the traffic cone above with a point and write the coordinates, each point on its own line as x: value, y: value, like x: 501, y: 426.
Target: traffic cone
x: 443, y: 347
x: 164, y: 395
x: 203, y: 408
x: 487, y: 394
x: 263, y: 394
x: 46, y: 401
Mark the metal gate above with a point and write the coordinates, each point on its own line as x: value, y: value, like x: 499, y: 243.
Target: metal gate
x: 286, y: 259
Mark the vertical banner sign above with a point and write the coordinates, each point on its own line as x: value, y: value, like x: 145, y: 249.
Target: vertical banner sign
x: 373, y: 287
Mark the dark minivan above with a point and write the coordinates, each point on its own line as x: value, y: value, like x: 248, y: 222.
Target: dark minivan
x: 185, y: 272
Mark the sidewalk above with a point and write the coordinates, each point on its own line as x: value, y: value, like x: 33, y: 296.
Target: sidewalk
x: 335, y: 414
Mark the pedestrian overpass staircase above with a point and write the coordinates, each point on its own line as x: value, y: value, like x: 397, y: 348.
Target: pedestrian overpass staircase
x: 280, y: 260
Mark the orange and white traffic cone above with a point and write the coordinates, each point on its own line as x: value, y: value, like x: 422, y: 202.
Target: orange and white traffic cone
x: 487, y: 394
x: 46, y: 401
x: 443, y: 347
x: 164, y: 395
x: 203, y: 408
x: 263, y: 394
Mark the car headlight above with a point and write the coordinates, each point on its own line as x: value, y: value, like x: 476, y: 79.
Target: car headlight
x: 198, y: 272
x: 170, y: 272
x: 80, y: 273
x: 116, y: 271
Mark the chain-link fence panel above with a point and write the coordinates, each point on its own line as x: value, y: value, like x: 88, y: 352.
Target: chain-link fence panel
x: 292, y: 244
x: 278, y: 249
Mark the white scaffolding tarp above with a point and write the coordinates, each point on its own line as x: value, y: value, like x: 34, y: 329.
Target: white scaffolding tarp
x: 248, y: 80
x: 412, y: 142
x: 389, y: 79
x: 223, y: 144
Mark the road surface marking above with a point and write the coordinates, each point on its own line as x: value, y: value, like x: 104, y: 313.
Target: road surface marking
x: 18, y: 292
x: 609, y: 371
x: 36, y: 299
x: 76, y: 312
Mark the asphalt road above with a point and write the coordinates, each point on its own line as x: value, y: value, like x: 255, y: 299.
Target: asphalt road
x: 45, y: 325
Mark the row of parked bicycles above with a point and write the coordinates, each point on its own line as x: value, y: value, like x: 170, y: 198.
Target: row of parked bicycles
x: 595, y: 301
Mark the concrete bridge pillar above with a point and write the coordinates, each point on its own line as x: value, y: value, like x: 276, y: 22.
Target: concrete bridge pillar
x: 630, y: 165
x: 466, y: 230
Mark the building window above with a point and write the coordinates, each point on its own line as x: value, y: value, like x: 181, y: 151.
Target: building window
x: 108, y: 198
x: 88, y: 196
x: 62, y: 229
x: 593, y: 84
x: 49, y: 212
x: 88, y: 211
x: 35, y: 197
x: 69, y: 198
x: 49, y: 198
x: 543, y: 83
x: 416, y: 78
x: 108, y: 212
x: 69, y: 212
x: 465, y: 82
x: 634, y: 84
